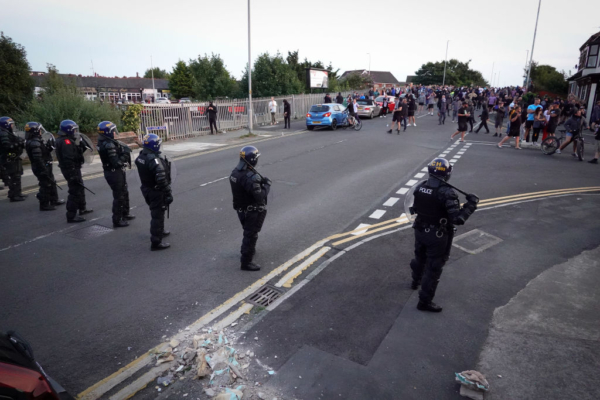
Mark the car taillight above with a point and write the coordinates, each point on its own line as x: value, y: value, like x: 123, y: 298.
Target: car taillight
x: 367, y: 109
x: 327, y: 115
x: 308, y: 115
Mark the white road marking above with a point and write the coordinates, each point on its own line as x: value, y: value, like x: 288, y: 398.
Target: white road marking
x: 461, y: 152
x: 361, y: 226
x: 391, y: 201
x: 191, y: 146
x: 377, y: 214
x: 208, y: 183
x: 419, y: 175
x: 411, y: 182
x: 457, y: 157
x: 453, y: 161
x: 402, y: 191
x: 443, y: 155
x: 425, y: 169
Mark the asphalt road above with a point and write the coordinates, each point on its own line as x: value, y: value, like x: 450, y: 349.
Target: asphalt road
x: 90, y: 306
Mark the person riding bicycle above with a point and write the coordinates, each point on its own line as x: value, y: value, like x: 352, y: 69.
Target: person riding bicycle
x: 574, y: 127
x: 352, y: 112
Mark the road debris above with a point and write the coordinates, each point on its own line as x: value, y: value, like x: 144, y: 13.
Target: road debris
x: 472, y: 384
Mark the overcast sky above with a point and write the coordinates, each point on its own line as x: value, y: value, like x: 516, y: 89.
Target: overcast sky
x: 119, y: 36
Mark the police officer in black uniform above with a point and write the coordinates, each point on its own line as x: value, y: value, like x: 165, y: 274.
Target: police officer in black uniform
x: 438, y: 211
x: 11, y: 148
x: 250, y: 191
x: 115, y: 158
x: 155, y: 175
x: 40, y: 156
x: 70, y: 159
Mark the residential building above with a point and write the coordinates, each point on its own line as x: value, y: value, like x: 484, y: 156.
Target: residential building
x: 381, y: 79
x: 585, y: 83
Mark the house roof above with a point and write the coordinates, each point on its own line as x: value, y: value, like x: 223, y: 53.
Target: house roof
x: 377, y: 76
x: 103, y: 82
x: 409, y: 78
x: 594, y: 39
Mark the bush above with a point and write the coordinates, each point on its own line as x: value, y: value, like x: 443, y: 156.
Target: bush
x: 132, y: 119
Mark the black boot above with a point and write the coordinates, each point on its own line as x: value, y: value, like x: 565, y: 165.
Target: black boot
x: 86, y: 211
x: 390, y: 131
x: 415, y: 285
x: 47, y: 207
x: 58, y: 202
x: 432, y: 307
x: 250, y: 267
x: 120, y: 224
x: 17, y: 198
x: 159, y: 246
x: 593, y: 161
x: 75, y: 219
x: 129, y: 217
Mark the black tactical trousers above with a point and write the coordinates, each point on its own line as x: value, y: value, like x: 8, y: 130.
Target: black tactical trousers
x: 155, y: 200
x: 76, y: 199
x: 13, y: 171
x: 48, y: 192
x: 213, y: 122
x: 430, y: 256
x: 252, y: 222
x: 117, y: 181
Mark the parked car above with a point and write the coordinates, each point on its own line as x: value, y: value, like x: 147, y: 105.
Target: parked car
x: 391, y: 103
x: 368, y: 108
x: 330, y: 115
x: 185, y: 100
x: 163, y: 100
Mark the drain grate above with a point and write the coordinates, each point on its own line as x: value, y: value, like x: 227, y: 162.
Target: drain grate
x: 265, y: 296
x: 475, y: 241
x: 90, y: 232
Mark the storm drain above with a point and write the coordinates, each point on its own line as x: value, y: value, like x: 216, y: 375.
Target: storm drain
x: 475, y: 241
x: 90, y: 232
x: 265, y: 296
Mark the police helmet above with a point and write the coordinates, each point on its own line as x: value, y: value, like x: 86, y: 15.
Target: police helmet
x: 108, y: 129
x: 8, y: 124
x: 441, y: 168
x: 250, y: 154
x: 33, y: 129
x: 68, y: 127
x: 152, y: 142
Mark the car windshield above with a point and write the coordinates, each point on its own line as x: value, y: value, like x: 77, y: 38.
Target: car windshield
x: 319, y: 108
x: 364, y: 102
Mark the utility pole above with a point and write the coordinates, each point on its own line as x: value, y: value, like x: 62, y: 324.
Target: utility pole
x: 492, y: 80
x: 369, y: 54
x: 152, y: 72
x: 249, y: 74
x: 445, y: 62
x: 533, y: 45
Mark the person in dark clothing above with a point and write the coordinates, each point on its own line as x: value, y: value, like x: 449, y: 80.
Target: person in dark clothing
x: 485, y: 115
x: 438, y: 211
x: 40, y: 157
x: 397, y: 117
x: 155, y: 175
x: 287, y: 112
x: 471, y: 111
x: 11, y: 148
x: 70, y: 159
x: 327, y: 99
x: 404, y: 115
x: 115, y: 158
x: 250, y: 191
x: 500, y: 112
x: 463, y: 118
x: 339, y: 99
x: 515, y: 127
x: 574, y: 127
x: 211, y: 110
x: 441, y: 105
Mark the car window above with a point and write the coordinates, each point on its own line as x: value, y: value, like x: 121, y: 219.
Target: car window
x: 336, y: 108
x: 365, y: 102
x: 319, y: 108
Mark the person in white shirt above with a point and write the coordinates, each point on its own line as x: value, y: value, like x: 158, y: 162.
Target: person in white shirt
x: 273, y: 110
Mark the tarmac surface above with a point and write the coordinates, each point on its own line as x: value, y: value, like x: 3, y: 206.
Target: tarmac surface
x: 91, y: 305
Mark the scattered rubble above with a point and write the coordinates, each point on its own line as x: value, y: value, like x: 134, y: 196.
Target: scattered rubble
x: 472, y: 384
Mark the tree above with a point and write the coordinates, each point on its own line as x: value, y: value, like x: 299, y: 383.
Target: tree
x: 272, y: 76
x: 357, y: 81
x: 212, y: 79
x: 158, y: 73
x: 457, y: 74
x: 549, y: 79
x: 16, y: 85
x: 181, y: 82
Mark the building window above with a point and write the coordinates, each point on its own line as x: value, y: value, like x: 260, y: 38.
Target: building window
x: 592, y: 60
x: 583, y: 58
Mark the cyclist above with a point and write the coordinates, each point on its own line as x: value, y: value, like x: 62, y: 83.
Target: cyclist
x: 574, y: 127
x: 352, y: 112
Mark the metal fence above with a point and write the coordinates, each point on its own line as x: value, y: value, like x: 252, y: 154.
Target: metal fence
x: 178, y: 121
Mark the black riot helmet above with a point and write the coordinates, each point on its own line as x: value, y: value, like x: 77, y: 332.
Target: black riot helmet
x: 250, y: 154
x: 33, y: 129
x: 441, y: 168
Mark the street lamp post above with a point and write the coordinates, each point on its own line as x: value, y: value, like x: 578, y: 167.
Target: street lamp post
x: 445, y: 62
x: 533, y: 45
x: 369, y: 54
x: 492, y: 80
x: 249, y: 74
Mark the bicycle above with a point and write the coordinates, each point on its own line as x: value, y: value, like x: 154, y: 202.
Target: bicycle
x: 352, y: 122
x: 552, y: 143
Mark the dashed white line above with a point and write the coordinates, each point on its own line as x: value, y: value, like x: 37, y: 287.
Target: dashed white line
x: 419, y: 175
x: 391, y: 201
x: 461, y: 152
x: 361, y: 226
x: 457, y: 157
x: 377, y: 214
x: 402, y: 191
x: 453, y: 161
x: 208, y: 183
x: 443, y: 155
x: 425, y: 169
x: 411, y: 182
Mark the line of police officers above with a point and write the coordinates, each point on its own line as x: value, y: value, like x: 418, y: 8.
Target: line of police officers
x: 435, y: 201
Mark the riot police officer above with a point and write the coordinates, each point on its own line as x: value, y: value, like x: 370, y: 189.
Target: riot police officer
x: 438, y: 211
x: 70, y: 159
x: 40, y: 156
x: 11, y: 148
x: 115, y: 158
x: 155, y: 175
x: 250, y: 191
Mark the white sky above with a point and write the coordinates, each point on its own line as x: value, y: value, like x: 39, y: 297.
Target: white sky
x: 119, y: 36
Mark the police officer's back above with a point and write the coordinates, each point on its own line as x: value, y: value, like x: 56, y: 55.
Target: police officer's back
x: 11, y: 148
x: 154, y: 171
x: 250, y: 191
x: 438, y: 211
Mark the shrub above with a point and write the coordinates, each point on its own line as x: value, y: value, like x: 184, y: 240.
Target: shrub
x: 132, y: 118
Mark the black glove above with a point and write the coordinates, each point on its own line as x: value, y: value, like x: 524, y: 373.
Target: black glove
x: 472, y: 198
x: 266, y: 181
x: 168, y: 199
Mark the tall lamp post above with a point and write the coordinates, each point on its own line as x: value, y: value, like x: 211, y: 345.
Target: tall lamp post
x: 369, y: 54
x: 445, y: 62
x: 533, y: 45
x: 249, y: 74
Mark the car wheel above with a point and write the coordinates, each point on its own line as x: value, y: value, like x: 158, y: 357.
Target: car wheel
x: 334, y: 125
x: 310, y: 127
x: 371, y: 116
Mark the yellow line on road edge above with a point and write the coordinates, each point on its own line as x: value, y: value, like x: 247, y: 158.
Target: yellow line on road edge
x: 546, y: 191
x: 287, y: 280
x: 370, y: 232
x: 540, y: 195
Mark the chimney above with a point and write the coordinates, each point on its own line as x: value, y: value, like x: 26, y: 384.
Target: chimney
x: 137, y: 74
